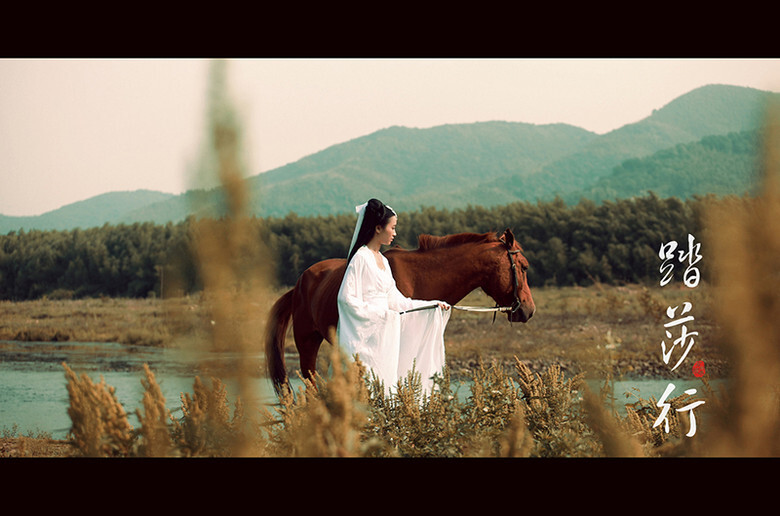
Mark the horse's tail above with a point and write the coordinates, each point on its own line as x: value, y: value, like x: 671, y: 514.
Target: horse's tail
x: 275, y: 333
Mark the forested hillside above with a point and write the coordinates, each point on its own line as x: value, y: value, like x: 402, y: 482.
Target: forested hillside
x: 490, y: 164
x: 719, y: 165
x: 708, y: 111
x: 613, y: 242
x: 413, y: 167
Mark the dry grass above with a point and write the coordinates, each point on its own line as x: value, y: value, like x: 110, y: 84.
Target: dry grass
x: 594, y: 330
x: 322, y: 421
x: 99, y: 426
x: 127, y: 321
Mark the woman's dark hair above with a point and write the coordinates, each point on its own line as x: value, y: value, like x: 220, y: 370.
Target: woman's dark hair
x: 377, y: 214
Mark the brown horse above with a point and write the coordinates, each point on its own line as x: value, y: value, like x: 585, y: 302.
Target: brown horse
x: 442, y: 268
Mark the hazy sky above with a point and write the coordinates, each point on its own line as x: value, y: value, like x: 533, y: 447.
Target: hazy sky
x: 72, y: 129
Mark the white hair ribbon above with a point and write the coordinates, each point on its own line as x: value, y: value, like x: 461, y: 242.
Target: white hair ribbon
x: 361, y: 211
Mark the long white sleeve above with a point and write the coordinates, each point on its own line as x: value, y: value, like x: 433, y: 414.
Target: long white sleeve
x: 398, y: 302
x: 352, y: 297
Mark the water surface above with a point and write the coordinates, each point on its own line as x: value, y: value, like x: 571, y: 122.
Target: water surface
x: 33, y: 387
x: 34, y: 396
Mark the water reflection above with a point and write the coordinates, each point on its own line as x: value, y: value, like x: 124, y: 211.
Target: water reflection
x: 34, y: 397
x: 33, y: 388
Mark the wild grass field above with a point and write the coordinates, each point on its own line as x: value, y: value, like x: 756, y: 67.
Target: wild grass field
x: 597, y: 332
x: 583, y: 329
x: 127, y: 321
x: 592, y: 330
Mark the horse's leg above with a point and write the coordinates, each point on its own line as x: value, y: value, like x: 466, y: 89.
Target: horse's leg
x: 307, y: 341
x: 308, y: 346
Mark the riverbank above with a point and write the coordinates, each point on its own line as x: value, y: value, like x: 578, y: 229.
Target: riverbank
x: 126, y: 321
x: 591, y: 330
x: 601, y: 331
x: 18, y: 447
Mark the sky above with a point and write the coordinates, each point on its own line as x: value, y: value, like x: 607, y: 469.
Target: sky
x: 71, y: 129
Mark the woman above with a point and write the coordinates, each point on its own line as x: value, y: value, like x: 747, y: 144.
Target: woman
x: 372, y: 324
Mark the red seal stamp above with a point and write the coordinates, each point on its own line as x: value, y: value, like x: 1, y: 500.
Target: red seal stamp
x: 698, y: 369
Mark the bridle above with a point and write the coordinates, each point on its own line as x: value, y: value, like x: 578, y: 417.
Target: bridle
x: 515, y: 284
x: 515, y: 281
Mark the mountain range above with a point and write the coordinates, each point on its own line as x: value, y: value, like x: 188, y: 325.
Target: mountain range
x: 705, y: 141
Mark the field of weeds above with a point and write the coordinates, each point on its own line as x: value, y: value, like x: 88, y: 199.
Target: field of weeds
x: 509, y: 413
x: 526, y: 396
x: 593, y: 330
x: 126, y: 321
x: 598, y: 330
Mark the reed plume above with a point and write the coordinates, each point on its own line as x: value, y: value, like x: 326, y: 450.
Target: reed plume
x: 614, y: 438
x: 552, y: 415
x: 99, y: 426
x: 207, y: 427
x: 154, y: 420
x: 517, y: 440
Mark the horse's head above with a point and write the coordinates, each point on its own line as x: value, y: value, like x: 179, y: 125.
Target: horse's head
x: 508, y: 283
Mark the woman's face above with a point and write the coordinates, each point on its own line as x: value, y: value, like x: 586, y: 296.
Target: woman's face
x: 387, y: 234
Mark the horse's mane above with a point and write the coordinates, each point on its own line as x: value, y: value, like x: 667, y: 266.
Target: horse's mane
x: 428, y: 242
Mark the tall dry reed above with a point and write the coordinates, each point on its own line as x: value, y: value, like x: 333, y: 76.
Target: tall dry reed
x: 744, y: 246
x: 233, y: 264
x: 154, y: 420
x: 234, y: 268
x: 99, y: 423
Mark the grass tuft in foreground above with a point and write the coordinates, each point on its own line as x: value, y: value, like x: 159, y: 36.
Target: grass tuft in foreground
x: 505, y: 414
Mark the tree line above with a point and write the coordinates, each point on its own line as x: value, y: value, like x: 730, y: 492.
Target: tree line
x: 613, y: 242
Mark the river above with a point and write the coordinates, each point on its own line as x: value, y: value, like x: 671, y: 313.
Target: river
x: 33, y: 387
x: 34, y: 396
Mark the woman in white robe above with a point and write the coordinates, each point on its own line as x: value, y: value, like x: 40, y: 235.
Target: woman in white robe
x: 372, y: 323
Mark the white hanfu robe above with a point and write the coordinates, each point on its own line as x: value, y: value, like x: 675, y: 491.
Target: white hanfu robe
x: 372, y: 327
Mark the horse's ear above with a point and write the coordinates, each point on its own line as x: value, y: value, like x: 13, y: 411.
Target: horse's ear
x: 509, y: 237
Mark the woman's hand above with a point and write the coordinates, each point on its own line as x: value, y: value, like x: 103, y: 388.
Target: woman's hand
x: 444, y: 306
